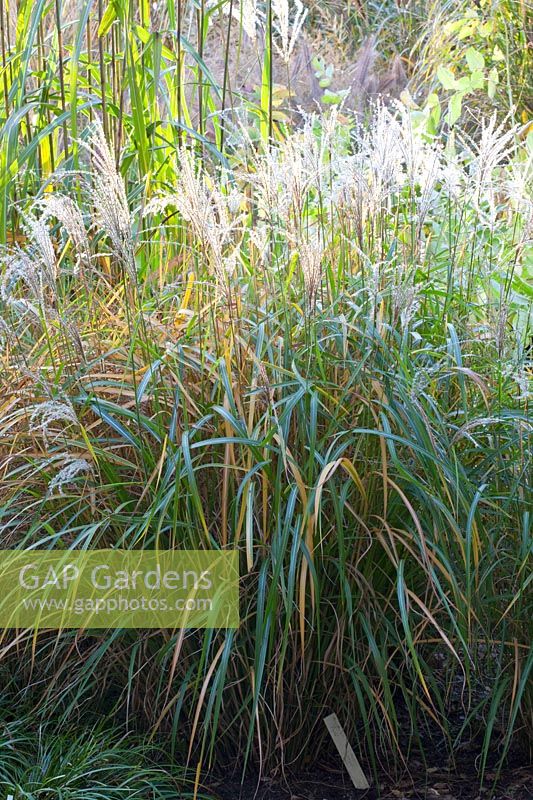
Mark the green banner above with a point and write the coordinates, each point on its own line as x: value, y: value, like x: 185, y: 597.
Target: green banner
x: 119, y: 589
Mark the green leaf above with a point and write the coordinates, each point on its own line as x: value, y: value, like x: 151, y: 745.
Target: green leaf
x: 464, y: 84
x: 108, y: 18
x: 474, y: 59
x: 330, y: 98
x: 446, y: 77
x: 477, y: 79
x: 454, y: 108
x: 435, y: 114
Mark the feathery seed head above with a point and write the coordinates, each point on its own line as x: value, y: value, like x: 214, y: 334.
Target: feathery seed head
x: 288, y: 30
x: 311, y: 252
x: 74, y: 467
x: 109, y: 197
x: 245, y: 12
x: 66, y: 211
x: 44, y: 415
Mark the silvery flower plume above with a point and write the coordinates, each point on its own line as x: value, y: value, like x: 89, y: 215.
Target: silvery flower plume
x: 5, y: 332
x: 72, y: 469
x: 33, y: 267
x: 405, y: 302
x: 287, y: 174
x: 453, y: 178
x: 366, y: 182
x: 245, y: 12
x: 493, y: 147
x: 29, y: 282
x: 311, y: 252
x: 521, y: 376
x: 287, y: 30
x: 109, y: 198
x: 519, y: 186
x: 41, y: 248
x: 66, y: 211
x: 422, y: 161
x: 192, y: 198
x: 20, y: 271
x: 303, y: 161
x: 213, y: 216
x: 45, y: 414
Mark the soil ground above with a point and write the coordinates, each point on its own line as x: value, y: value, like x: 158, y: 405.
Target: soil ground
x: 323, y: 782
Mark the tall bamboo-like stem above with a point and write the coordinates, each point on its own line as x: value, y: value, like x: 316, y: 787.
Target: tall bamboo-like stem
x: 61, y: 75
x: 225, y: 78
x: 3, y: 56
x: 200, y: 18
x: 102, y: 72
x: 179, y: 68
x: 270, y: 35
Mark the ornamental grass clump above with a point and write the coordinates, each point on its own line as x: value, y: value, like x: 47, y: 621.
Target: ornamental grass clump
x: 315, y: 352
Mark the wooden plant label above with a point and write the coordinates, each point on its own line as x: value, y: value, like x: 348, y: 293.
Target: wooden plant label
x: 346, y: 753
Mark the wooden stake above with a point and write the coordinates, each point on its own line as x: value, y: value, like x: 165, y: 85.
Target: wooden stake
x: 346, y: 753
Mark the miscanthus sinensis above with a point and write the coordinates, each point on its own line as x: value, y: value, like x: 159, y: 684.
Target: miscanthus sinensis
x: 287, y: 29
x: 108, y: 194
x: 20, y: 282
x: 493, y: 147
x: 389, y: 155
x: 291, y: 175
x: 213, y: 215
x: 73, y: 468
x: 311, y: 257
x: 245, y: 12
x: 29, y: 281
x: 45, y: 416
x: 65, y: 210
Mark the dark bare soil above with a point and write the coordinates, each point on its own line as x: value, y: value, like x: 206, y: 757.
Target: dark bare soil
x: 324, y: 782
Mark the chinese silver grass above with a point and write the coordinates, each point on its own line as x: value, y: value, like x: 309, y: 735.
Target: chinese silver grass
x: 519, y: 192
x: 366, y: 181
x: 20, y: 268
x: 288, y: 30
x: 453, y: 178
x: 266, y: 392
x: 22, y: 307
x: 494, y: 146
x: 66, y: 211
x: 212, y: 214
x: 258, y: 237
x: 391, y: 157
x: 485, y: 423
x: 421, y: 160
x: 109, y: 197
x: 523, y: 379
x: 45, y: 414
x: 33, y: 269
x: 311, y: 255
x: 285, y: 178
x: 29, y: 280
x: 245, y: 12
x: 499, y: 326
x: 5, y: 331
x: 41, y: 248
x: 405, y: 302
x: 72, y: 469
